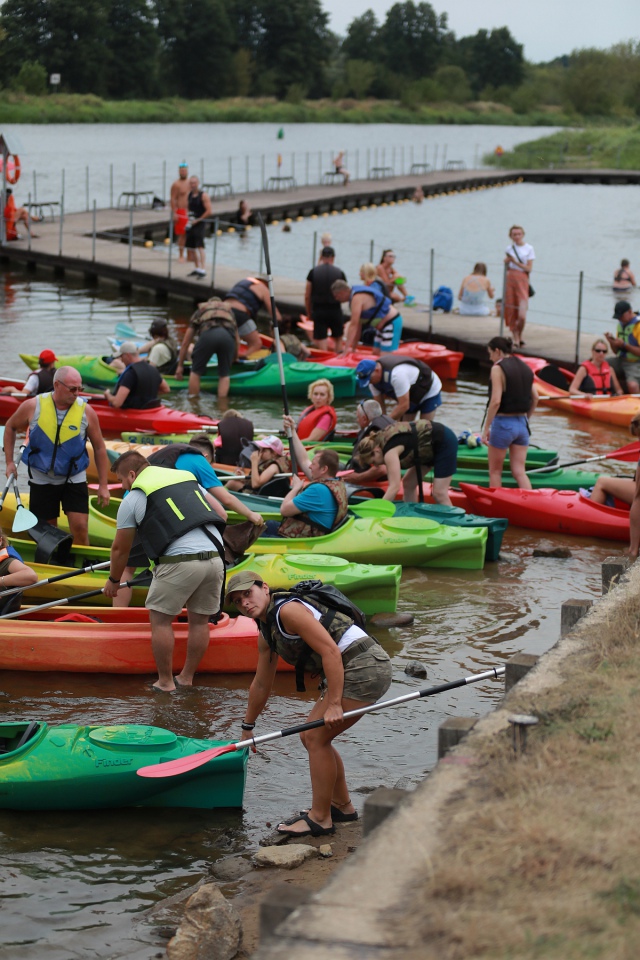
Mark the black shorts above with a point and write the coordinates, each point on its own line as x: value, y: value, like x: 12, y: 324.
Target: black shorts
x: 325, y: 319
x: 45, y: 499
x: 195, y: 236
x: 216, y: 340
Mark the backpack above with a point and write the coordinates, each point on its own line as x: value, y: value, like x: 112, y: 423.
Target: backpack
x: 443, y: 299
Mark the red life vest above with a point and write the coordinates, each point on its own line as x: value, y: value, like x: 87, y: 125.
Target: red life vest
x: 601, y: 377
x: 310, y: 418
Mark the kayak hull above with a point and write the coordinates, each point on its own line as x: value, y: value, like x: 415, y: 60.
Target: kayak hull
x: 71, y: 767
x: 554, y: 511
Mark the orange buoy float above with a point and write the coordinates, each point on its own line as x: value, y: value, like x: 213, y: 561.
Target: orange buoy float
x: 13, y: 168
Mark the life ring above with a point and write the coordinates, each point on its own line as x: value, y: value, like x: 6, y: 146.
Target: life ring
x: 13, y: 168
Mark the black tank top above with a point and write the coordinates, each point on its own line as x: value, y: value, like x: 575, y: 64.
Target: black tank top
x: 516, y: 396
x: 196, y: 205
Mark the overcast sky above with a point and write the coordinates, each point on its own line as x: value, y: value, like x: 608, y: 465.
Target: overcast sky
x: 547, y: 28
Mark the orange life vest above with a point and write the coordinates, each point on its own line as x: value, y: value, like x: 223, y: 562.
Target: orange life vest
x: 311, y: 417
x: 601, y: 377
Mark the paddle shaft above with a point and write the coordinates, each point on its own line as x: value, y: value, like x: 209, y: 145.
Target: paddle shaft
x: 61, y: 603
x: 59, y: 576
x: 628, y: 451
x: 6, y: 490
x: 175, y: 767
x: 586, y: 396
x: 276, y: 333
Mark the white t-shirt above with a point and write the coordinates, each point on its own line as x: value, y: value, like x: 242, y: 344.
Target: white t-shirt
x: 160, y: 353
x: 352, y: 635
x: 403, y: 378
x: 131, y: 514
x: 525, y: 252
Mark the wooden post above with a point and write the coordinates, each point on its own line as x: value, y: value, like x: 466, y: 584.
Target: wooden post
x: 613, y: 569
x: 281, y: 900
x: 452, y: 731
x: 379, y: 805
x: 571, y: 612
x: 517, y: 667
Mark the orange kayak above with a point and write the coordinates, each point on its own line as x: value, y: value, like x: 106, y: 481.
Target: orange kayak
x: 617, y: 410
x: 118, y: 640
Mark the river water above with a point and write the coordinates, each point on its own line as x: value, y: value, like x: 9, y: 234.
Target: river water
x: 78, y: 885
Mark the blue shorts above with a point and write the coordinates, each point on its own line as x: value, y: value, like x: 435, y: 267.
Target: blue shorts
x: 427, y: 405
x: 509, y: 430
x: 387, y: 338
x: 445, y: 453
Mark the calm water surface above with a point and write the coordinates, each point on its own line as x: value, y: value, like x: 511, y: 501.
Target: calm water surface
x: 78, y: 885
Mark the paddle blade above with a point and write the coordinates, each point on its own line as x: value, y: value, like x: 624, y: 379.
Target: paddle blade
x: 23, y: 520
x: 373, y: 508
x: 173, y: 768
x: 628, y: 454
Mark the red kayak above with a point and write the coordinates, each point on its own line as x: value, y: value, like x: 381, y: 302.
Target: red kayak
x: 118, y: 640
x: 445, y: 363
x: 552, y: 383
x: 555, y: 511
x: 113, y: 421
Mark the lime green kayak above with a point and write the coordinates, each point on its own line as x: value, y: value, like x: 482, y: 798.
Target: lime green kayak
x: 373, y: 587
x: 261, y: 381
x: 71, y: 767
x: 560, y: 478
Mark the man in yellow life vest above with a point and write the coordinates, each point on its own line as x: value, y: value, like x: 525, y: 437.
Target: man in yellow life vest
x: 60, y: 423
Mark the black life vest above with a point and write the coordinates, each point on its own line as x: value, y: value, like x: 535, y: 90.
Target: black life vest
x: 516, y: 397
x: 418, y: 390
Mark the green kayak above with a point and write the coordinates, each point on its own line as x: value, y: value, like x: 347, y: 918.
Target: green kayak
x: 366, y: 507
x: 262, y: 381
x: 372, y: 587
x: 71, y: 767
x: 558, y: 478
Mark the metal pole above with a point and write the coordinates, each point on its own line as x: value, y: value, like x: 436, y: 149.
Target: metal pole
x: 111, y: 185
x: 368, y: 161
x: 231, y: 170
x: 475, y: 157
x: 170, y: 242
x: 201, y: 171
x: 315, y: 249
x: 411, y: 156
x: 134, y: 179
x: 214, y: 253
x: 246, y: 174
x: 357, y: 177
x: 402, y: 160
x: 61, y: 225
x: 130, y: 233
x: 293, y: 165
x: 319, y: 166
x: 86, y: 178
x: 260, y: 265
x: 35, y: 187
x: 579, y: 317
x: 29, y: 210
x: 435, y: 159
x: 371, y: 251
x: 504, y: 294
x: 306, y: 169
x: 93, y: 238
x: 63, y: 179
x: 262, y: 170
x: 164, y: 179
x: 431, y: 290
x: 444, y: 156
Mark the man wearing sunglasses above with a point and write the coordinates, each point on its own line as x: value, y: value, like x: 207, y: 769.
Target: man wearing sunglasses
x: 60, y: 423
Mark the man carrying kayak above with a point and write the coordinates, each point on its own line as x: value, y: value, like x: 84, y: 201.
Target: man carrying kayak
x: 411, y: 384
x: 355, y: 671
x: 139, y: 384
x: 314, y: 507
x: 60, y: 423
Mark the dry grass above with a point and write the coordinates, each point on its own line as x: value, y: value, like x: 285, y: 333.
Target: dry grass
x: 541, y: 857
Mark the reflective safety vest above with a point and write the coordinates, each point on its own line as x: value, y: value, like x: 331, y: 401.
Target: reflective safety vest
x: 629, y: 333
x: 57, y: 449
x: 175, y: 505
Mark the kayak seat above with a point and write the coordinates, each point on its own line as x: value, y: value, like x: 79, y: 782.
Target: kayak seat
x: 49, y: 541
x: 30, y: 731
x: 553, y: 375
x: 11, y: 603
x: 357, y: 493
x: 276, y: 488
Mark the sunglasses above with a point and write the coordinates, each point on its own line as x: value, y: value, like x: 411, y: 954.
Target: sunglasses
x: 70, y: 389
x: 599, y: 350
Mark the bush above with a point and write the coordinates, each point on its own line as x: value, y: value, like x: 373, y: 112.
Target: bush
x: 32, y: 78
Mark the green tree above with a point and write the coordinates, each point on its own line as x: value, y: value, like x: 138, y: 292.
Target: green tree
x: 243, y: 72
x: 295, y: 44
x: 75, y: 46
x: 24, y: 26
x: 491, y: 58
x: 453, y: 83
x: 197, y: 48
x: 414, y: 39
x: 32, y: 78
x: 359, y: 77
x: 133, y: 45
x: 362, y: 41
x: 591, y: 85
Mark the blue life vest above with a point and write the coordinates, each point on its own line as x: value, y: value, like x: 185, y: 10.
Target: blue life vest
x: 242, y: 291
x: 443, y: 299
x: 381, y: 306
x: 58, y: 449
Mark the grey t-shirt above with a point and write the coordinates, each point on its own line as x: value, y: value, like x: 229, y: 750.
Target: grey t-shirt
x: 131, y: 514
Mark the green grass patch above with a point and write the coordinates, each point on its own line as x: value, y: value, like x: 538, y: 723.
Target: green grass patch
x: 601, y: 147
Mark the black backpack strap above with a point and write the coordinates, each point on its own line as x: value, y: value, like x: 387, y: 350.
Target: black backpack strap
x: 416, y: 460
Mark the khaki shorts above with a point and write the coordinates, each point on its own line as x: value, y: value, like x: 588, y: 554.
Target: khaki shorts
x: 368, y: 676
x: 194, y: 584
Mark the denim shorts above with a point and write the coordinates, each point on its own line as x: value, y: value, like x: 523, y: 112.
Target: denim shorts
x: 368, y: 676
x: 426, y: 406
x: 509, y: 430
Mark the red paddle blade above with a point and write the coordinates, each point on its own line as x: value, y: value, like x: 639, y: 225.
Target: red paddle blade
x: 629, y: 454
x: 174, y: 768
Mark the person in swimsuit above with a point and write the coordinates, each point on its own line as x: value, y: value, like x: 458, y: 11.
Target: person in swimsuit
x: 179, y: 201
x: 623, y: 278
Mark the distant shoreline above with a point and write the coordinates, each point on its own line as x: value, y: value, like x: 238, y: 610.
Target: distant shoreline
x: 79, y: 108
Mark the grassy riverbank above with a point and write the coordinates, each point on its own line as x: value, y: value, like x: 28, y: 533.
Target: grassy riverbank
x: 598, y: 147
x: 76, y: 108
x: 539, y: 856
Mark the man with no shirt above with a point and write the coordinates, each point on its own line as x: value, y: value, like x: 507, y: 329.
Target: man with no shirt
x: 179, y: 201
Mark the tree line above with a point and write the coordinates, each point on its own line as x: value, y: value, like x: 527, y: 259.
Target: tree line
x: 210, y: 49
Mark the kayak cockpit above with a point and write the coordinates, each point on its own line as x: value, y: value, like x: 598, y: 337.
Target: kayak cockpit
x: 16, y: 735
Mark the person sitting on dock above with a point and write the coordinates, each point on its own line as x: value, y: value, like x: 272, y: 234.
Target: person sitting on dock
x: 475, y: 293
x: 626, y: 346
x: 246, y: 298
x: 369, y: 307
x: 14, y: 215
x: 394, y: 283
x: 370, y: 419
x: 40, y: 380
x: 355, y: 671
x: 338, y: 163
x: 138, y: 386
x: 623, y: 278
x: 314, y: 507
x: 410, y: 382
x: 410, y: 447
